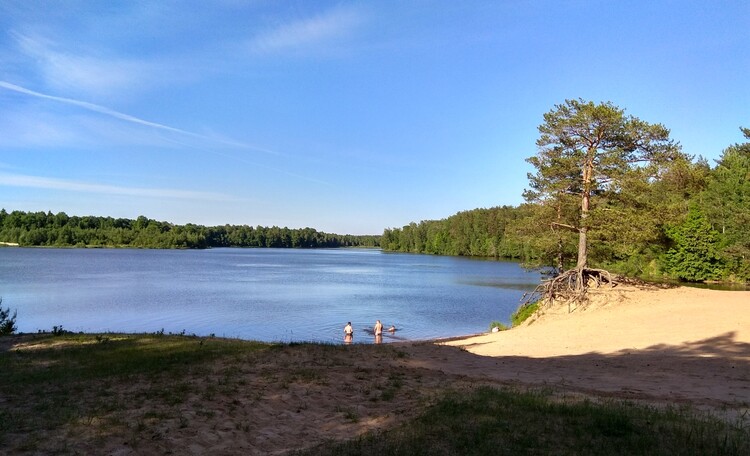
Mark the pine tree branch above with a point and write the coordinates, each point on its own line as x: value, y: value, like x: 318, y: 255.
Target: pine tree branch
x: 562, y: 225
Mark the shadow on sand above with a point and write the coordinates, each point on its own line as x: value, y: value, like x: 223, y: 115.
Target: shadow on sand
x: 713, y: 372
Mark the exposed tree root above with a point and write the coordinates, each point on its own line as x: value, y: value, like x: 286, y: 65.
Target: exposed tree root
x: 570, y: 286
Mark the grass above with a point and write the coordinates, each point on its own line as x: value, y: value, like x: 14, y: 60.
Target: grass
x: 499, y: 325
x: 130, y: 385
x: 57, y: 379
x: 494, y: 421
x: 523, y: 313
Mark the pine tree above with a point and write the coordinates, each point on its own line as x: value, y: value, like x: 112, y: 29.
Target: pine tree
x: 585, y: 151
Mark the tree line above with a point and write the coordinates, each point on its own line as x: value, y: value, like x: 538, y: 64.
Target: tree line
x: 614, y: 192
x: 478, y: 232
x: 609, y: 191
x: 61, y: 230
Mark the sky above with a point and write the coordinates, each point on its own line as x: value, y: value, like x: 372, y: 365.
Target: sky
x: 345, y: 116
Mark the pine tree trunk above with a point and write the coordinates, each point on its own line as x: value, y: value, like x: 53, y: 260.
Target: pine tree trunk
x: 582, y: 249
x: 560, y: 263
x: 588, y: 170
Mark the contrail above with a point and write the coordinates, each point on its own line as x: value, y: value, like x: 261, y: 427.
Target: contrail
x: 126, y: 117
x: 21, y: 180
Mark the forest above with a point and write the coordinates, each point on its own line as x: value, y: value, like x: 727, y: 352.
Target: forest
x: 61, y: 230
x: 614, y: 192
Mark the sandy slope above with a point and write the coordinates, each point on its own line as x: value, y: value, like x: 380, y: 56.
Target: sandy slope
x: 628, y: 319
x: 671, y: 345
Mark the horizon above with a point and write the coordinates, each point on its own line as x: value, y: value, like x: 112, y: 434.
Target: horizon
x: 349, y: 118
x: 188, y: 223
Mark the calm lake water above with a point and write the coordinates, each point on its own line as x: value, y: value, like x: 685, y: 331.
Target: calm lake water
x: 261, y: 294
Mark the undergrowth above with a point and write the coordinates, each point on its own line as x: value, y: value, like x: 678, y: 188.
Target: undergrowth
x: 500, y: 422
x: 523, y: 313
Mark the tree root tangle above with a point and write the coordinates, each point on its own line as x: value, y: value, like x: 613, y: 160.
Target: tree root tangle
x: 569, y: 286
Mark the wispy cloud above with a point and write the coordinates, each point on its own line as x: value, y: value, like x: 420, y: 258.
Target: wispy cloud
x: 47, y: 183
x: 100, y: 76
x: 306, y: 33
x: 128, y: 118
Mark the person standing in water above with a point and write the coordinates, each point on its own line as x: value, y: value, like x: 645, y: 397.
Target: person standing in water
x: 348, y: 333
x: 378, y: 330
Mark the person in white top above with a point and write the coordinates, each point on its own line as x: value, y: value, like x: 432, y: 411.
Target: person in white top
x: 348, y: 333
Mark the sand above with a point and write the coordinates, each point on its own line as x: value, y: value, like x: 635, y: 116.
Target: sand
x: 670, y: 345
x: 658, y: 346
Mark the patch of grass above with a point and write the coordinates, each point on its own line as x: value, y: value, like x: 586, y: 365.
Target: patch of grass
x: 496, y: 324
x: 80, y: 356
x: 492, y: 421
x: 395, y: 382
x: 307, y: 375
x: 50, y: 380
x: 350, y: 414
x: 523, y: 313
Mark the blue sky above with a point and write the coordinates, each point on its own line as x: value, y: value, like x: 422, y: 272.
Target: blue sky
x: 348, y: 117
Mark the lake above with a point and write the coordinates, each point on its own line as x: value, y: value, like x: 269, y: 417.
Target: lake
x: 260, y: 294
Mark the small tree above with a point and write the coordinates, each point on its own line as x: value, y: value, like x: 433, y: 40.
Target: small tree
x: 695, y: 256
x: 7, y: 322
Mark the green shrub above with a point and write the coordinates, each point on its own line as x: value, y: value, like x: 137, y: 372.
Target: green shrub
x: 524, y: 312
x: 497, y: 324
x: 7, y: 322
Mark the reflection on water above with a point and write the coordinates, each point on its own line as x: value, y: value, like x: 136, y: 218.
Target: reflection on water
x: 262, y: 294
x: 499, y: 283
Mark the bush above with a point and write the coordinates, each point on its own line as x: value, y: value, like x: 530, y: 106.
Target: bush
x: 7, y: 322
x: 59, y: 331
x: 524, y: 312
x: 498, y: 325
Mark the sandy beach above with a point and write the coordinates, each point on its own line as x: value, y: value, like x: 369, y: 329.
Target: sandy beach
x: 673, y: 345
x: 679, y: 346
